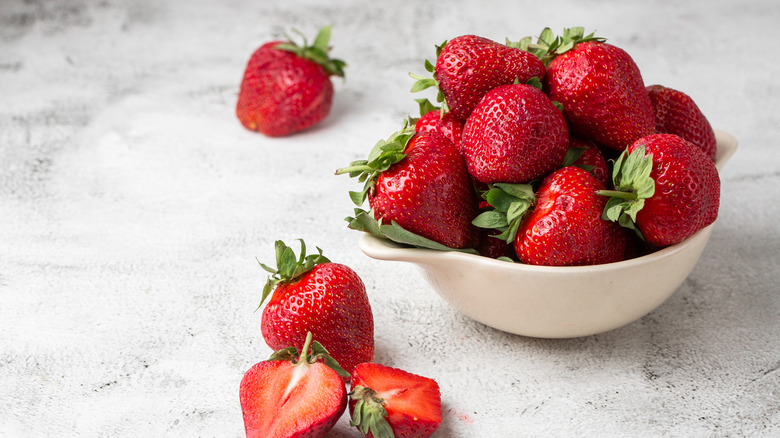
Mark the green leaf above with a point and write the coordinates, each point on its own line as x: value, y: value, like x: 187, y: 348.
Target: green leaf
x: 319, y: 352
x: 288, y: 266
x: 491, y: 220
x: 286, y: 354
x: 369, y: 413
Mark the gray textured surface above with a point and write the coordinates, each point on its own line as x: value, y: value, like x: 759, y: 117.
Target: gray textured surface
x: 133, y: 205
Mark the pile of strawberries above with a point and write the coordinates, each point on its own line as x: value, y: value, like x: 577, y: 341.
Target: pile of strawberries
x: 551, y: 152
x: 547, y: 151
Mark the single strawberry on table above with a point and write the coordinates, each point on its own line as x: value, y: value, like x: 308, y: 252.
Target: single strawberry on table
x: 468, y: 66
x: 313, y: 294
x: 599, y: 85
x: 419, y: 191
x: 287, y: 87
x: 515, y: 134
x: 676, y: 113
x: 665, y: 187
x: 386, y: 402
x: 294, y: 394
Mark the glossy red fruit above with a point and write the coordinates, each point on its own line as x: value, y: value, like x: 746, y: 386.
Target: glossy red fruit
x: 676, y: 113
x: 469, y: 66
x: 387, y: 402
x: 445, y: 124
x: 418, y: 187
x: 592, y: 159
x: 286, y: 88
x: 565, y: 227
x: 312, y: 294
x: 687, y: 190
x: 602, y: 93
x: 292, y: 395
x: 514, y: 135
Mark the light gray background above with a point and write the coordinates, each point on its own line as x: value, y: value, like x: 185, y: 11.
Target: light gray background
x: 133, y: 207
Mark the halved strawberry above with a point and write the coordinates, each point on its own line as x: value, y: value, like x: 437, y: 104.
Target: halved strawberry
x: 387, y: 402
x: 285, y: 397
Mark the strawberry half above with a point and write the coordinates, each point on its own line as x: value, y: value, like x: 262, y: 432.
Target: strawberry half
x: 285, y: 397
x: 419, y: 191
x: 286, y: 87
x: 666, y: 188
x: 676, y: 113
x: 312, y: 294
x: 386, y: 402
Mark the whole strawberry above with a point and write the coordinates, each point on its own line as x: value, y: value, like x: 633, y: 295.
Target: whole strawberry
x: 312, y: 294
x: 514, y: 135
x: 601, y: 89
x: 386, y: 402
x: 558, y: 225
x: 666, y: 187
x: 419, y: 191
x: 286, y: 87
x: 676, y: 113
x: 469, y: 66
x: 293, y: 394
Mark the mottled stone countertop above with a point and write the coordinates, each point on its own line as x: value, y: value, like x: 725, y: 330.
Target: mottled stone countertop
x: 133, y: 207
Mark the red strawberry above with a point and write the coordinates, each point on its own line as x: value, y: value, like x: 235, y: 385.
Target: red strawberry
x: 589, y: 157
x: 386, y: 402
x: 515, y: 134
x: 601, y: 90
x: 469, y: 66
x: 419, y: 191
x: 666, y: 187
x: 286, y: 88
x: 560, y: 225
x: 328, y: 299
x: 676, y: 113
x: 287, y: 398
x: 432, y: 119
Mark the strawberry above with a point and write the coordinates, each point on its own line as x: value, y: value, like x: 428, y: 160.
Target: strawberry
x: 386, y: 402
x: 286, y: 398
x: 433, y: 119
x: 419, y: 191
x: 311, y: 293
x: 600, y: 87
x: 560, y: 224
x: 676, y: 113
x: 514, y: 135
x: 286, y: 87
x: 469, y: 66
x: 587, y: 155
x: 666, y: 188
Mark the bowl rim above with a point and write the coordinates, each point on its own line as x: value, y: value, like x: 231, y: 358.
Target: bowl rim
x: 384, y: 249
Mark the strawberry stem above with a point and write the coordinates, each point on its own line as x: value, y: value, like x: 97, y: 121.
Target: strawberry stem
x: 618, y: 194
x: 288, y: 267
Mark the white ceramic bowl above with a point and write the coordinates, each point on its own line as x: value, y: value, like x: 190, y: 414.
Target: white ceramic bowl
x: 555, y: 302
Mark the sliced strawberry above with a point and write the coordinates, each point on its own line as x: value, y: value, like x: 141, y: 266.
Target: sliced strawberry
x: 387, y: 402
x: 288, y: 398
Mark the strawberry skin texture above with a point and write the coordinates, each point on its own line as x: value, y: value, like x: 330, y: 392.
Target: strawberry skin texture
x: 469, y: 66
x: 309, y: 410
x: 687, y: 190
x: 429, y: 192
x: 676, y: 113
x: 282, y: 93
x: 565, y: 227
x: 331, y: 302
x: 412, y: 402
x: 592, y: 157
x: 602, y: 92
x: 447, y: 125
x: 514, y: 135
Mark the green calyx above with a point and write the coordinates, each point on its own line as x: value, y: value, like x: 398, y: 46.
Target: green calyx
x: 632, y: 185
x: 311, y: 352
x: 548, y: 45
x: 369, y: 414
x: 288, y: 266
x: 384, y: 154
x: 425, y: 82
x: 316, y: 52
x: 510, y: 204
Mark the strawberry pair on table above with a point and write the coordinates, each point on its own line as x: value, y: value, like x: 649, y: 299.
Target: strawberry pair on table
x: 323, y: 307
x: 534, y: 125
